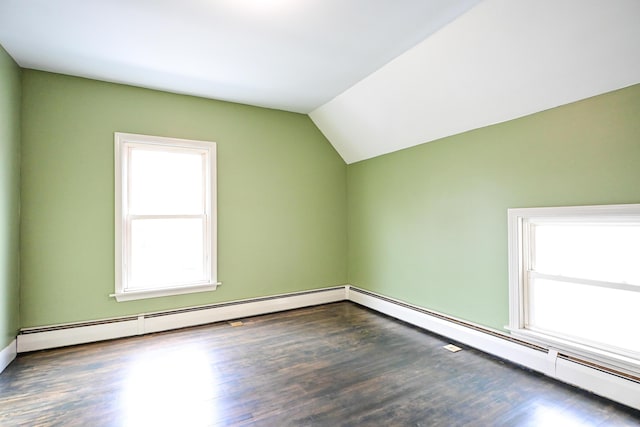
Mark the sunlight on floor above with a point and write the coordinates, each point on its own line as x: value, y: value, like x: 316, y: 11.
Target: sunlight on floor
x: 547, y: 415
x: 170, y: 388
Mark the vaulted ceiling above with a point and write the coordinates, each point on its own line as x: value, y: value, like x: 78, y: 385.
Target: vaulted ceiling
x: 374, y: 75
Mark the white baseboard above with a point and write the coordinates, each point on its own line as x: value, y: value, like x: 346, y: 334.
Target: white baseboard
x: 240, y: 309
x: 7, y: 355
x: 601, y: 383
x: 32, y: 339
x: 611, y: 386
x: 64, y: 335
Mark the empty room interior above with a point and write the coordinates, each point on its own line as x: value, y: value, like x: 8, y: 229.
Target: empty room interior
x: 282, y: 212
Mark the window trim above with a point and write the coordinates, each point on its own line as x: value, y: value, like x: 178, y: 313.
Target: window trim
x: 122, y: 143
x: 519, y: 232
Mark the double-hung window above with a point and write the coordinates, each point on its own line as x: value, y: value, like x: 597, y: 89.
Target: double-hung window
x: 575, y: 280
x: 165, y: 217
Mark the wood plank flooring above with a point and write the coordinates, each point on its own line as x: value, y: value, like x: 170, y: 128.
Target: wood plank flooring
x: 332, y: 365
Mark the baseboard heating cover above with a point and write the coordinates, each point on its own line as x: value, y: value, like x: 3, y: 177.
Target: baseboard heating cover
x: 31, y: 339
x: 615, y: 386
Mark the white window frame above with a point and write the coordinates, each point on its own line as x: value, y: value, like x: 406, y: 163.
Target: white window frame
x: 520, y: 251
x: 123, y: 144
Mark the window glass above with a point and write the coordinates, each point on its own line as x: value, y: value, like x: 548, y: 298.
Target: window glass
x: 166, y: 182
x: 166, y: 252
x: 601, y: 251
x: 601, y: 316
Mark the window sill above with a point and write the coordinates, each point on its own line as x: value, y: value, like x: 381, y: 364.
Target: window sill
x: 613, y: 360
x: 156, y: 293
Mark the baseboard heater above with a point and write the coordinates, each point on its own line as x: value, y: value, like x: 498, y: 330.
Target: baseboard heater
x: 32, y: 339
x: 604, y: 381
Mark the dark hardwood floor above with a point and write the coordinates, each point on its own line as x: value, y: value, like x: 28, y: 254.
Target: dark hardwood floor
x: 331, y: 365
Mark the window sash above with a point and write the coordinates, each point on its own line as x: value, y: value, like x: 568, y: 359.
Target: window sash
x: 600, y: 250
x: 602, y: 331
x: 164, y: 148
x: 206, y: 255
x: 588, y: 282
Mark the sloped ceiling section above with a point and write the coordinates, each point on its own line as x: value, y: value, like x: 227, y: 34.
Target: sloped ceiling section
x: 501, y: 60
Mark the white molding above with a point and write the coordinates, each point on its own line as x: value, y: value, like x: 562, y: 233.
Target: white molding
x: 243, y: 309
x: 547, y: 362
x: 626, y: 363
x: 31, y: 339
x: 72, y: 335
x: 155, y: 293
x: 7, y: 355
x: 602, y: 383
x: 572, y: 213
x: 516, y: 313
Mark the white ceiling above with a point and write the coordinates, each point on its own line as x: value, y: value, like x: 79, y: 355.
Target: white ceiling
x: 457, y: 67
x: 292, y: 55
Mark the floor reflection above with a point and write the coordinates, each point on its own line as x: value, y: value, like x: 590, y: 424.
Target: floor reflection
x: 546, y: 413
x: 169, y: 388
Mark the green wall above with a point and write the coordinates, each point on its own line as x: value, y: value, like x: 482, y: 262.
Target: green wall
x: 428, y: 225
x: 281, y: 196
x: 10, y: 93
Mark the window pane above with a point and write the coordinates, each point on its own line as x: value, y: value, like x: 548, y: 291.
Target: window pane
x: 166, y: 182
x: 602, y: 315
x: 603, y: 252
x: 166, y: 252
